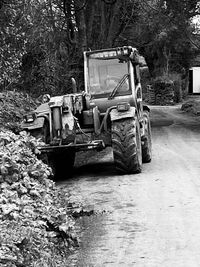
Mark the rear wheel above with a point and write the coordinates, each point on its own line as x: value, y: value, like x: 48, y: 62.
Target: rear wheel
x: 146, y: 139
x: 126, y: 144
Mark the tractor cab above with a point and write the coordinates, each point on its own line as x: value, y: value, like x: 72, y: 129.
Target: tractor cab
x: 112, y: 74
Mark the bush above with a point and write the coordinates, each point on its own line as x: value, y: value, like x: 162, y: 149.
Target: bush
x: 35, y: 230
x: 13, y: 106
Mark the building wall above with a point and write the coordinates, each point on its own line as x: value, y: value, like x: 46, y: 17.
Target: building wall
x: 196, y: 80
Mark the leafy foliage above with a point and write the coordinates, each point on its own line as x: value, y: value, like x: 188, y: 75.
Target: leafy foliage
x: 42, y: 41
x: 35, y: 230
x: 12, y: 39
x: 13, y: 105
x: 163, y: 34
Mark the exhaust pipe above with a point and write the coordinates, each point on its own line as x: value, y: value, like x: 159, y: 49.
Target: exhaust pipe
x: 57, y: 122
x: 74, y: 86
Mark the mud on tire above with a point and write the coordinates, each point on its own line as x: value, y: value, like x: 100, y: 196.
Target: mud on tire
x: 146, y: 139
x: 126, y: 144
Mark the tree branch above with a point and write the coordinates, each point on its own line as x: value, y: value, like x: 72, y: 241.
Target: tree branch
x: 109, y: 2
x: 67, y: 12
x: 82, y: 7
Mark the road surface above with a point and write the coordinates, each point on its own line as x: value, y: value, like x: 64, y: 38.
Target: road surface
x: 152, y: 219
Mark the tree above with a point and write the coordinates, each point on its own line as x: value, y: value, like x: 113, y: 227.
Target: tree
x: 70, y: 27
x: 163, y: 34
x: 12, y: 40
x: 43, y: 41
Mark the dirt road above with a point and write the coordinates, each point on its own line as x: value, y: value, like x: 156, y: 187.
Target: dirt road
x: 153, y: 218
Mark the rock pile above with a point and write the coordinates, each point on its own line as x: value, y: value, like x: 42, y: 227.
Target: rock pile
x: 35, y: 230
x: 192, y: 106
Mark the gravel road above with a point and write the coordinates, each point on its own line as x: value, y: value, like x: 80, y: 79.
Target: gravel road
x: 152, y: 219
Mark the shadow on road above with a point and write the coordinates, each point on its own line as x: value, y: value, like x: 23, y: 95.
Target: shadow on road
x: 101, y: 169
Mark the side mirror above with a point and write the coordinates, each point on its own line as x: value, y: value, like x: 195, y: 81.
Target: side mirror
x: 74, y: 86
x: 46, y: 98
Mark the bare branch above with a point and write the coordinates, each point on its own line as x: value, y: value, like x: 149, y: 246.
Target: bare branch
x: 67, y: 12
x: 109, y: 2
x: 191, y: 41
x: 82, y: 7
x: 124, y: 26
x: 148, y: 6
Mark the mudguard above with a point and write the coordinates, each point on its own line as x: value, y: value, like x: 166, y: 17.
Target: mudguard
x: 36, y: 124
x: 118, y: 115
x: 145, y: 107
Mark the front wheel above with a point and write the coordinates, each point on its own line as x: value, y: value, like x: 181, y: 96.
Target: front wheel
x: 126, y: 144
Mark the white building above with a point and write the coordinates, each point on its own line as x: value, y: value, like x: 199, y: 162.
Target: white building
x: 194, y: 80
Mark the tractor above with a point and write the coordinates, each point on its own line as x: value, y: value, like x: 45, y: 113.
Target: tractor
x: 109, y: 112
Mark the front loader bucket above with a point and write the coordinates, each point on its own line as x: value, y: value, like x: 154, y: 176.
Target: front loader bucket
x: 96, y: 144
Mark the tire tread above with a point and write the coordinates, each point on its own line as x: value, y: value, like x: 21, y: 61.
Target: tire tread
x: 124, y: 145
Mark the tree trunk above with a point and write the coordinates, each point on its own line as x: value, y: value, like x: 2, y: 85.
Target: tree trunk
x: 89, y: 18
x: 81, y: 26
x: 114, y: 23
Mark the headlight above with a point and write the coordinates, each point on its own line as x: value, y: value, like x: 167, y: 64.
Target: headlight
x: 123, y: 106
x: 65, y: 109
x: 30, y: 117
x: 46, y: 98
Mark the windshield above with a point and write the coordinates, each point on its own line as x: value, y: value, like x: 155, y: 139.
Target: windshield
x: 105, y: 75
